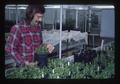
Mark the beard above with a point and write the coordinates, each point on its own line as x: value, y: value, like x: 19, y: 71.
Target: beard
x: 37, y: 22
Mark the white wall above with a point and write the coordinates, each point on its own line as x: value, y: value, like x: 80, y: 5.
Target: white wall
x: 107, y: 23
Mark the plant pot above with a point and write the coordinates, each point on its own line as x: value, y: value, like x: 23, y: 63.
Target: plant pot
x: 42, y: 59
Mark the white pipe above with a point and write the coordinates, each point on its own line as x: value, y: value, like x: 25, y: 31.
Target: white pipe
x: 76, y: 25
x: 102, y: 44
x: 85, y: 20
x: 90, y: 12
x: 60, y: 31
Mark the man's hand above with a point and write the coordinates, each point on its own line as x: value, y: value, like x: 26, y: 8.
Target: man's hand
x: 26, y: 63
x: 50, y: 48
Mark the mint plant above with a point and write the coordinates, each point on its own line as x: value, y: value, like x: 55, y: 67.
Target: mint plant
x: 42, y: 49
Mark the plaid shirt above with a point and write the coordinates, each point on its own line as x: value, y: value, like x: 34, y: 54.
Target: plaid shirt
x: 22, y: 42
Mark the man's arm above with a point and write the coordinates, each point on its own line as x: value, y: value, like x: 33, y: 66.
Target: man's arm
x: 12, y: 44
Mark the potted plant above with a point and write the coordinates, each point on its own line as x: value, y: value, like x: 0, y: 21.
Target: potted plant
x: 41, y: 55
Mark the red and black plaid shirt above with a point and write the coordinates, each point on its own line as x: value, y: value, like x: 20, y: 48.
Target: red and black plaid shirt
x: 22, y: 42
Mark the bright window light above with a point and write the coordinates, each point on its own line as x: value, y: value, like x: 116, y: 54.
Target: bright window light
x: 52, y: 6
x: 103, y: 7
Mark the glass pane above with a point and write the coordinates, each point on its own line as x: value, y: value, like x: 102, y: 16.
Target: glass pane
x: 50, y: 27
x: 10, y: 16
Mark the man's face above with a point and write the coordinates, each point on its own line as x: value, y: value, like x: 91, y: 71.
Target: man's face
x: 37, y: 18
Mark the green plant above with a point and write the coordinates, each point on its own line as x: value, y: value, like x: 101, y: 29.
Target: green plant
x: 108, y: 71
x: 59, y: 69
x: 28, y: 72
x: 61, y: 72
x: 42, y: 49
x: 77, y: 70
x: 52, y: 63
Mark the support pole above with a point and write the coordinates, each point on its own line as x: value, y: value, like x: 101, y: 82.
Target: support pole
x: 60, y: 43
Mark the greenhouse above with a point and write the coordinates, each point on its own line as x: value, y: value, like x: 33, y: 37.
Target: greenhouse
x: 83, y: 40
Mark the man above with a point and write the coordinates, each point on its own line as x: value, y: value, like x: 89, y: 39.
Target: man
x: 26, y: 36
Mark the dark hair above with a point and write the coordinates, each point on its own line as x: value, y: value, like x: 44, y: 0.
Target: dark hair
x: 32, y: 9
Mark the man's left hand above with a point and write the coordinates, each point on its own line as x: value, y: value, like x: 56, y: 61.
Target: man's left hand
x: 50, y: 48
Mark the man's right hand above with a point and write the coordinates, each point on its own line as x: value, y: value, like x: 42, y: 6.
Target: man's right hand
x: 26, y: 63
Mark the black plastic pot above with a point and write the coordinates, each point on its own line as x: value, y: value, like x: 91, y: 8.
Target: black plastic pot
x: 42, y: 59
